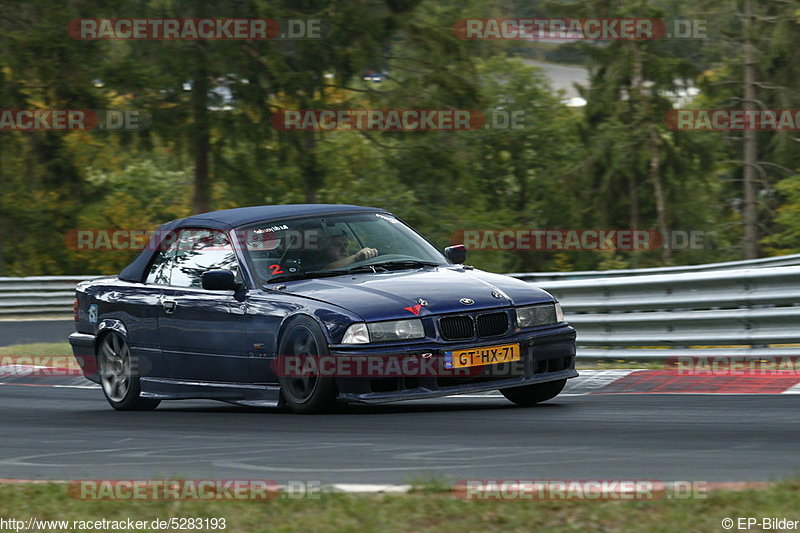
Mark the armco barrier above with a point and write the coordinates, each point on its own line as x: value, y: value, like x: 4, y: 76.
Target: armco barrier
x: 764, y: 262
x: 38, y: 295
x: 750, y: 312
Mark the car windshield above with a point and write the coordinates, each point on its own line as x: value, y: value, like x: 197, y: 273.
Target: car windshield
x: 333, y: 245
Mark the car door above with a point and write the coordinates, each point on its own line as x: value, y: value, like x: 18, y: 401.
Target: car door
x: 203, y: 333
x: 138, y: 306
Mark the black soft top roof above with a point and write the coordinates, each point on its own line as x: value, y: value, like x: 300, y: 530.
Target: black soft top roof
x: 230, y: 219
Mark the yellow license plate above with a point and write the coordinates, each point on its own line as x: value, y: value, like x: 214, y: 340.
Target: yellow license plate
x: 485, y: 355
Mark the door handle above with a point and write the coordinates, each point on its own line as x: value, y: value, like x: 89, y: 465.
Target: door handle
x: 169, y: 305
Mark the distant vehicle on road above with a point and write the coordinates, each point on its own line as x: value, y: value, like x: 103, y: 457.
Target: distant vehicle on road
x: 374, y: 76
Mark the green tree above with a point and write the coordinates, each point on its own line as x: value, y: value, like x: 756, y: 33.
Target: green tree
x: 636, y: 172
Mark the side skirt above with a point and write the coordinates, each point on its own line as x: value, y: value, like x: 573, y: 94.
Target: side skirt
x: 238, y: 393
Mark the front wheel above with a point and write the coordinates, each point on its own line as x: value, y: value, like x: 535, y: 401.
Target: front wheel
x: 529, y: 395
x: 309, y: 393
x: 119, y: 376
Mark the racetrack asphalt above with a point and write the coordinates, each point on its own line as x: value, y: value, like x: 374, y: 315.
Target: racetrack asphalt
x: 30, y: 331
x: 71, y: 433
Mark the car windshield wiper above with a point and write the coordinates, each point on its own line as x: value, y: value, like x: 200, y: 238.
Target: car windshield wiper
x: 307, y: 275
x: 373, y: 267
x: 393, y: 265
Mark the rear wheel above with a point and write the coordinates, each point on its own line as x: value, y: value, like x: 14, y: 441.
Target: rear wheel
x: 309, y: 393
x: 119, y: 377
x: 532, y: 394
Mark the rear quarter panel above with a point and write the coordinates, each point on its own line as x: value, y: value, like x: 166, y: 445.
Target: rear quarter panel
x: 130, y: 309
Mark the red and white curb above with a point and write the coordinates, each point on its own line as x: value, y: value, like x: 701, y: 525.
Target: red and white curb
x: 44, y: 376
x: 614, y: 381
x: 680, y: 381
x: 674, y: 381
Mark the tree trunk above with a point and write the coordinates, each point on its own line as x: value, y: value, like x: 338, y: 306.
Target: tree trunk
x: 633, y: 198
x: 750, y: 208
x: 312, y: 177
x: 654, y: 143
x: 200, y: 132
x: 658, y: 194
x: 2, y: 216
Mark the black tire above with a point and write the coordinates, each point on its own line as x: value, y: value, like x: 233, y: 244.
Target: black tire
x: 307, y: 394
x: 119, y: 377
x: 529, y: 395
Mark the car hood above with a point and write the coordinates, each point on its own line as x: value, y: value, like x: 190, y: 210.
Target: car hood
x: 397, y: 294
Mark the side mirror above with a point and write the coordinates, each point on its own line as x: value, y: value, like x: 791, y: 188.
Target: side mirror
x: 219, y: 280
x: 456, y: 254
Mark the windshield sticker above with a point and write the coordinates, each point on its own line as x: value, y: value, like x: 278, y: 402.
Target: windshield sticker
x: 271, y: 229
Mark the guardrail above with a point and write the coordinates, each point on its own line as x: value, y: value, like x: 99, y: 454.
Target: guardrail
x: 38, y: 295
x: 751, y: 312
x: 764, y: 262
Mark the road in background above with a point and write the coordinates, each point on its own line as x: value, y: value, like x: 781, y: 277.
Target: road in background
x: 564, y: 77
x: 30, y: 331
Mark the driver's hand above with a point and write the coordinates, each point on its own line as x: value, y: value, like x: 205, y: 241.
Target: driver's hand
x: 366, y: 253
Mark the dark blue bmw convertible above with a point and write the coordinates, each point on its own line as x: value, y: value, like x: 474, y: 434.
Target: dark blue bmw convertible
x: 312, y: 306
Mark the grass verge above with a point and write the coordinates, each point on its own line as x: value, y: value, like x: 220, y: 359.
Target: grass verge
x: 39, y: 348
x: 419, y: 511
x: 58, y: 354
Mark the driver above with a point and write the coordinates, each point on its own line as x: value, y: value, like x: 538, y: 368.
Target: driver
x: 334, y: 250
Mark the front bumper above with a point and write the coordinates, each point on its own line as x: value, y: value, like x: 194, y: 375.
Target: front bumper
x: 546, y: 356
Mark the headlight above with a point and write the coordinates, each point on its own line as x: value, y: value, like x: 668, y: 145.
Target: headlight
x: 539, y: 315
x: 384, y: 331
x: 356, y: 334
x: 396, y: 330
